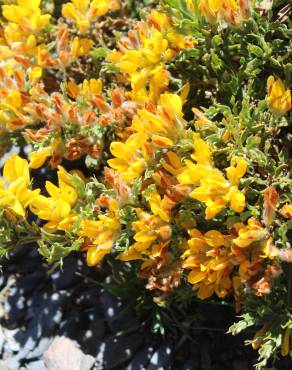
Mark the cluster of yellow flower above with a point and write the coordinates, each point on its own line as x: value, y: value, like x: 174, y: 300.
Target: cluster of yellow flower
x: 221, y: 263
x: 29, y: 43
x: 17, y: 194
x: 85, y: 12
x: 143, y: 54
x: 232, y: 12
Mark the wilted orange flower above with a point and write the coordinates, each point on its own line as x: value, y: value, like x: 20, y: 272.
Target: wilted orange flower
x: 271, y: 199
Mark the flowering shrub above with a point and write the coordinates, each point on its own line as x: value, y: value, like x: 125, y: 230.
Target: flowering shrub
x: 180, y: 119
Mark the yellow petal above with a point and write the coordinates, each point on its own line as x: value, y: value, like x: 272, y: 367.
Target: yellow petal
x: 202, y: 152
x: 195, y: 276
x: 237, y: 202
x: 206, y: 291
x: 214, y: 238
x: 95, y: 255
x: 144, y: 236
x: 173, y: 102
x: 162, y: 141
x: 16, y: 167
x: 37, y: 159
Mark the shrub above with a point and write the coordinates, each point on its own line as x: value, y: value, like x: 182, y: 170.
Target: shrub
x: 168, y: 131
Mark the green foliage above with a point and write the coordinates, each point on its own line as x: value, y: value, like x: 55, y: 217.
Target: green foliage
x: 56, y: 247
x: 15, y: 232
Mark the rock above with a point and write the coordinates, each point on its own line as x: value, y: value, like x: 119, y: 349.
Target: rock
x: 13, y: 364
x: 66, y: 278
x: 70, y: 327
x: 191, y: 364
x: 100, y: 356
x: 11, y: 343
x: 3, y: 364
x: 96, y: 325
x: 92, y: 337
x: 65, y: 354
x: 40, y: 348
x: 162, y: 358
x: 36, y: 365
x: 29, y: 337
x: 141, y: 359
x: 123, y: 347
x: 2, y: 339
x: 110, y: 305
x: 2, y: 281
x: 88, y: 298
x: 14, y: 306
x: 240, y: 365
x: 28, y: 283
x: 118, y: 317
x: 218, y: 366
x: 52, y: 312
x: 205, y: 354
x: 35, y: 302
x: 41, y: 326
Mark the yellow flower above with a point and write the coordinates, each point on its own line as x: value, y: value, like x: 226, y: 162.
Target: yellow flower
x: 26, y: 14
x: 202, y: 154
x: 80, y: 47
x: 144, y: 67
x: 11, y: 99
x: 213, y: 189
x: 172, y: 164
x: 286, y: 211
x: 176, y: 41
x: 131, y: 156
x: 15, y: 192
x: 190, y: 5
x: 230, y: 11
x: 88, y: 88
x: 102, y: 233
x: 250, y: 233
x: 38, y: 158
x: 263, y: 334
x: 84, y: 12
x: 57, y: 209
x: 209, y: 262
x: 150, y: 230
x: 164, y: 125
x: 143, y: 55
x: 237, y: 170
x: 201, y: 120
x: 34, y: 74
x: 279, y: 98
x: 159, y: 207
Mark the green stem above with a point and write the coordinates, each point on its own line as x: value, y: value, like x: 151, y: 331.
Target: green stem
x: 27, y: 240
